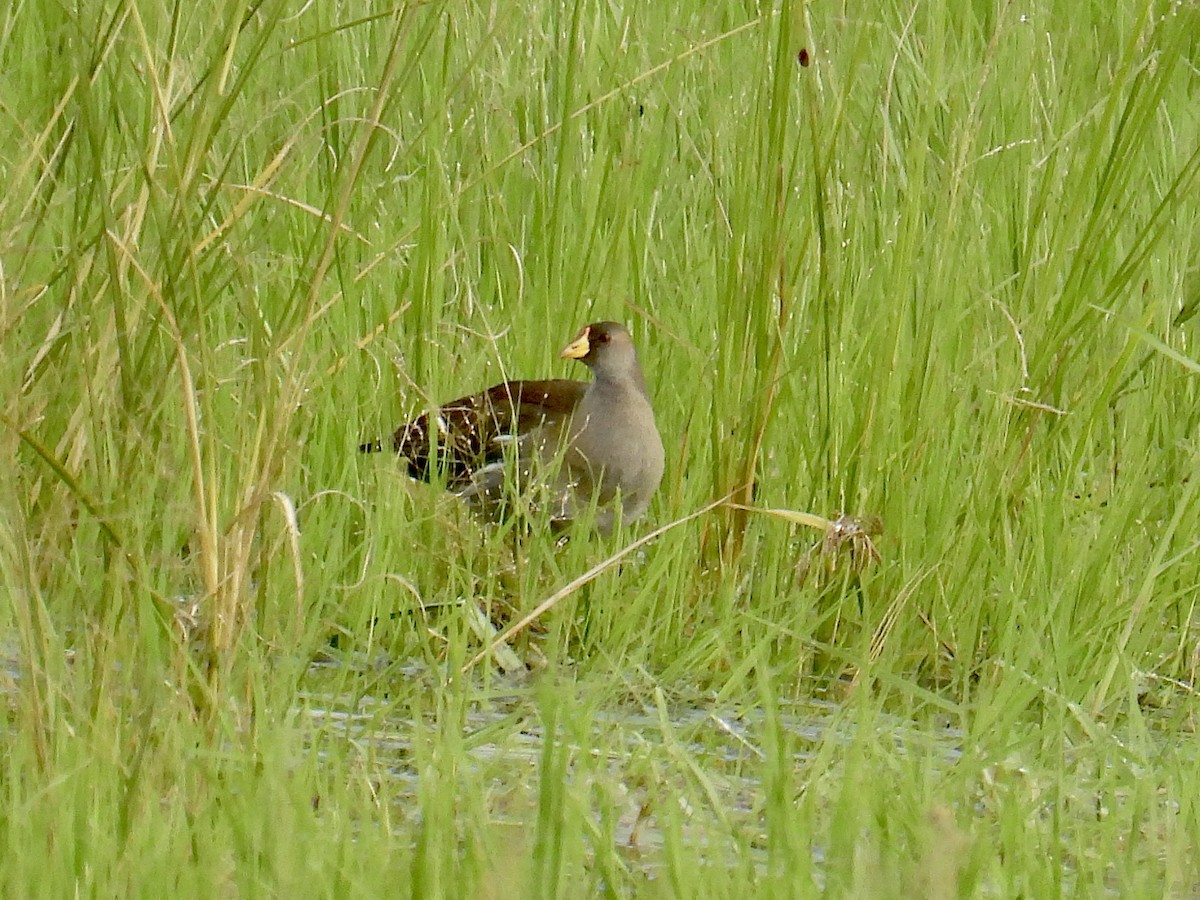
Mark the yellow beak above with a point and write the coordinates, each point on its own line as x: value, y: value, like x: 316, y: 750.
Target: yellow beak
x: 578, y: 348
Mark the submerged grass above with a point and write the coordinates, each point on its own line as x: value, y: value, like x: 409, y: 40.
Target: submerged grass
x: 943, y: 275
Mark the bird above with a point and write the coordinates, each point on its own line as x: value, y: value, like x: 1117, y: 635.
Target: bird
x: 567, y: 445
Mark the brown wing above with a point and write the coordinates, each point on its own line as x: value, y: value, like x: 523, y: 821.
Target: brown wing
x: 468, y: 432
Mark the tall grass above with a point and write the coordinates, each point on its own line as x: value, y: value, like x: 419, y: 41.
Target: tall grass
x: 944, y: 276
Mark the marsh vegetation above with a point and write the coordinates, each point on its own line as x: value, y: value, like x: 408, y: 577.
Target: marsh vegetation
x: 930, y: 267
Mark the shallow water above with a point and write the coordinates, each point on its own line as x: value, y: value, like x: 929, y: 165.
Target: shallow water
x: 703, y: 758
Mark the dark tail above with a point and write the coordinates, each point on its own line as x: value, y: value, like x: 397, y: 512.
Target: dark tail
x: 375, y: 446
